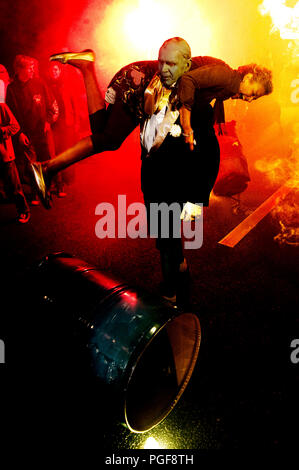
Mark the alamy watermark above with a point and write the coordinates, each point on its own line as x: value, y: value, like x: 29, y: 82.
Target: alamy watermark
x: 2, y: 352
x: 295, y: 351
x: 295, y: 93
x: 165, y: 220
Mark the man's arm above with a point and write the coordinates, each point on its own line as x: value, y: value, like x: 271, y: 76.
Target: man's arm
x: 11, y: 126
x: 185, y: 118
x: 209, y: 76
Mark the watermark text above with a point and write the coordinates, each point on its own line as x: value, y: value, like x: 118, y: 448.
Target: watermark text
x: 2, y: 352
x: 295, y: 351
x: 156, y: 220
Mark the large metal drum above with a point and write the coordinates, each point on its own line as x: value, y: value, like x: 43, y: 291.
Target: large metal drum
x: 141, y: 350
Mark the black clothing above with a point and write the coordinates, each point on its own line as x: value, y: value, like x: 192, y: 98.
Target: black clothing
x: 116, y: 124
x: 13, y: 187
x: 32, y: 104
x: 175, y: 173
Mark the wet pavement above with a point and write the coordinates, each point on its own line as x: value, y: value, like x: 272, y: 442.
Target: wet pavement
x: 243, y: 391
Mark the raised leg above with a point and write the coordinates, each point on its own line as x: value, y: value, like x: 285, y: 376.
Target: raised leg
x: 79, y: 151
x: 109, y: 127
x: 95, y: 99
x: 85, y: 61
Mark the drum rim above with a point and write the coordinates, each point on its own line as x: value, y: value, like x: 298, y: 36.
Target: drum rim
x: 139, y: 352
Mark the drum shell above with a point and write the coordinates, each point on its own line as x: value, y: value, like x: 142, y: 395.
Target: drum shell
x: 111, y: 324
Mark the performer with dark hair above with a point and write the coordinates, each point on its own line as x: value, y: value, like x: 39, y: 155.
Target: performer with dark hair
x: 248, y: 83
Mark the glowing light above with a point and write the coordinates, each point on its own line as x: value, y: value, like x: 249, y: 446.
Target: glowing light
x: 140, y: 23
x: 151, y: 443
x: 289, y: 224
x: 153, y: 330
x: 132, y: 30
x: 285, y: 19
x: 276, y: 170
x: 130, y: 298
x: 279, y: 170
x: 152, y: 22
x: 287, y: 211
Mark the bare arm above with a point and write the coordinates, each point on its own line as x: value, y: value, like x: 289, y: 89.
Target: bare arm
x: 213, y: 77
x: 185, y: 118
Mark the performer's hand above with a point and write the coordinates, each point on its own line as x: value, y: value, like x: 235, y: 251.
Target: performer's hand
x: 185, y: 118
x: 23, y: 139
x: 189, y: 139
x: 190, y: 212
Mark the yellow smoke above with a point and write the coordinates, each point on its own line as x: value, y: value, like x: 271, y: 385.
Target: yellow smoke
x: 134, y: 30
x: 285, y: 18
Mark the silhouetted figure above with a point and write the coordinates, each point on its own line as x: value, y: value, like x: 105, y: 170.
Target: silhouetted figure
x: 9, y: 127
x: 35, y: 109
x: 66, y: 127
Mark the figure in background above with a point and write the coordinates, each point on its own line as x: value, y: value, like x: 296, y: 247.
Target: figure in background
x: 66, y: 127
x: 4, y: 81
x: 9, y: 127
x: 35, y: 109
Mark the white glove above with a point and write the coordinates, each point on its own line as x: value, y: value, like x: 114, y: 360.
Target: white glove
x: 190, y: 212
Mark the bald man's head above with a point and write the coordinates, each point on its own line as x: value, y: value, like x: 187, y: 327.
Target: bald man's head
x: 174, y: 60
x: 180, y: 44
